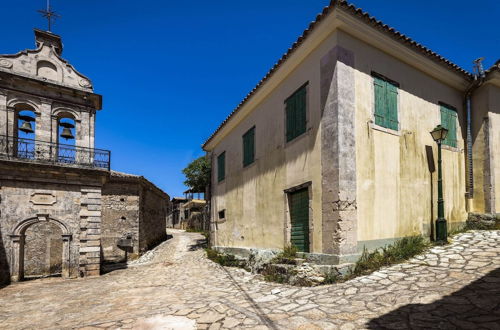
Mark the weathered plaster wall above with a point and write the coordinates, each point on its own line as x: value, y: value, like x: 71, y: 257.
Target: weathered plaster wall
x: 396, y: 192
x: 120, y: 216
x: 338, y: 154
x: 253, y: 197
x: 486, y: 149
x: 494, y: 148
x: 480, y: 106
x: 495, y: 141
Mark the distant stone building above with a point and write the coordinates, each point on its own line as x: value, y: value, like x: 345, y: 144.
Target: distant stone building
x: 194, y: 214
x: 59, y: 203
x: 177, y: 213
x: 188, y: 212
x: 131, y: 207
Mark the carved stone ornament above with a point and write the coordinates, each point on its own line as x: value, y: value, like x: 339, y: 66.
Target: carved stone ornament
x: 43, y: 199
x: 5, y: 63
x: 85, y: 83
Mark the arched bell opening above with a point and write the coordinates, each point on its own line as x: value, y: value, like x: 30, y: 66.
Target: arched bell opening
x: 25, y: 131
x: 66, y: 141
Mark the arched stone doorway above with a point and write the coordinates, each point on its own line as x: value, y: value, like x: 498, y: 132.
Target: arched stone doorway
x: 18, y: 240
x: 42, y: 250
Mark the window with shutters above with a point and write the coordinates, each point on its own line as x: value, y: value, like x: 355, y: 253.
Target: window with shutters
x: 296, y: 118
x: 449, y: 121
x: 249, y: 147
x: 221, y: 167
x: 386, y: 103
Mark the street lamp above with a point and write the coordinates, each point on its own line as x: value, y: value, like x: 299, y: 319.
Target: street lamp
x: 439, y: 134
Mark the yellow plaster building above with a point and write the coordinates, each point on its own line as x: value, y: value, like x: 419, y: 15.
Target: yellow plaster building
x: 331, y: 151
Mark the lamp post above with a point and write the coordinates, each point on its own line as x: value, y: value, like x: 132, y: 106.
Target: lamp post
x: 439, y: 134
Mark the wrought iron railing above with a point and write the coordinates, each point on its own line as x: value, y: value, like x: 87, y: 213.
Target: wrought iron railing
x: 47, y: 152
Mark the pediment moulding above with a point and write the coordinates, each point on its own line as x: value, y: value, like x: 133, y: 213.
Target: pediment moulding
x: 45, y: 63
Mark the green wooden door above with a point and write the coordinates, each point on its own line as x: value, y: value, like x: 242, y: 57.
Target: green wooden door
x: 299, y: 215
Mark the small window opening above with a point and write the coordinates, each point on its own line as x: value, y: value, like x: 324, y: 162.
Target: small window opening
x: 222, y: 214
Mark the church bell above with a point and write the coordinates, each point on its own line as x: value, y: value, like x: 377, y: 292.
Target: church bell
x: 66, y: 133
x: 26, y: 126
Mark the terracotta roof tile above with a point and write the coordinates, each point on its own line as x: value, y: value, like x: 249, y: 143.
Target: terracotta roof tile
x: 494, y: 67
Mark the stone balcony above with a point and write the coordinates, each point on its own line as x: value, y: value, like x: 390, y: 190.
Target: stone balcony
x: 34, y: 151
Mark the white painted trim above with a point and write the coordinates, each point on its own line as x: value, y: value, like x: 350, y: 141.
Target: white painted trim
x: 384, y: 129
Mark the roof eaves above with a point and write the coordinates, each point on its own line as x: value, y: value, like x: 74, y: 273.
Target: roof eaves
x: 494, y: 67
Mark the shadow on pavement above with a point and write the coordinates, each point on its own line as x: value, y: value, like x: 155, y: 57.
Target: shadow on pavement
x: 258, y: 311
x: 108, y: 266
x: 199, y: 244
x: 476, y: 306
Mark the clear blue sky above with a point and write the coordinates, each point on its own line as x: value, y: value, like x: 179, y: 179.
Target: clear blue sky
x: 171, y: 71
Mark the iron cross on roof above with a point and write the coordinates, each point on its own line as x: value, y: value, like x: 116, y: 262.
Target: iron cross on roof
x: 49, y: 15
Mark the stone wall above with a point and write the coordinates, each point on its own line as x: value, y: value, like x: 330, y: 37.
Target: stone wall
x: 120, y: 216
x: 63, y: 201
x: 153, y: 218
x: 132, y: 205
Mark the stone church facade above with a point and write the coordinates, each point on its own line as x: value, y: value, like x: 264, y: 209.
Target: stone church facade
x: 52, y: 209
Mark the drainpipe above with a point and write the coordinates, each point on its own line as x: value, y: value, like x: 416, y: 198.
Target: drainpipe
x: 479, y: 76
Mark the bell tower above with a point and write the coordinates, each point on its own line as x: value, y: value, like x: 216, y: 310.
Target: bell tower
x: 51, y: 173
x: 44, y: 99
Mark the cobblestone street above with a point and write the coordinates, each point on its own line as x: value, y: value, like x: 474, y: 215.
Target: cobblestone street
x: 451, y: 287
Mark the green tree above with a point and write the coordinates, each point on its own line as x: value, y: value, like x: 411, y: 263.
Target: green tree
x: 197, y: 174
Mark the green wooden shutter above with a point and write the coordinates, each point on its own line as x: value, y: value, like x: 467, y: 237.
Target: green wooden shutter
x: 249, y: 147
x: 221, y: 167
x: 252, y: 145
x: 380, y: 103
x: 296, y: 114
x: 453, y: 129
x: 392, y: 106
x: 449, y: 121
x: 299, y: 216
x: 290, y: 119
x: 300, y: 104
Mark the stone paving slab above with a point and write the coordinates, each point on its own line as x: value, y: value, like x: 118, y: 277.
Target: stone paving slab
x: 452, y: 287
